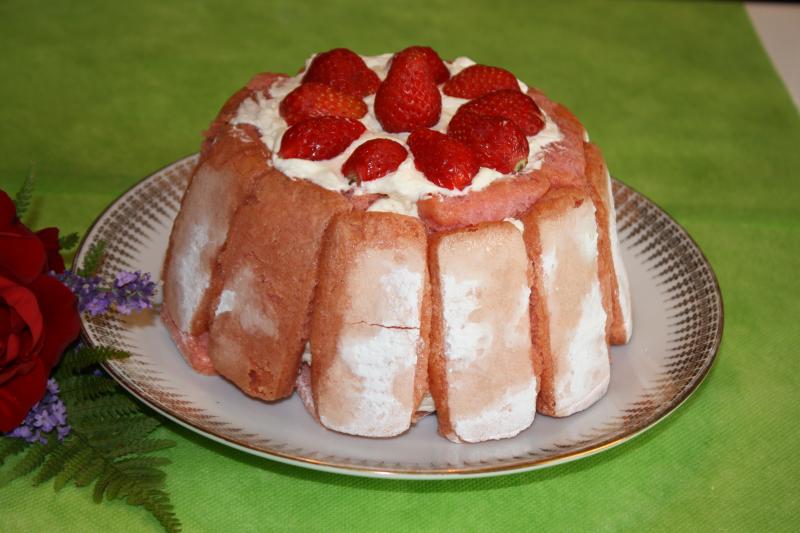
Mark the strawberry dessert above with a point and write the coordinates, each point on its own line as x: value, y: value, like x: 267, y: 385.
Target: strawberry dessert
x: 396, y: 235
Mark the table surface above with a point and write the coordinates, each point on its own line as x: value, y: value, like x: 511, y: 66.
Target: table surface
x: 681, y: 97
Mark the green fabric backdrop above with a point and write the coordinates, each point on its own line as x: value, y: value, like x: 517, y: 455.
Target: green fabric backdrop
x: 680, y: 96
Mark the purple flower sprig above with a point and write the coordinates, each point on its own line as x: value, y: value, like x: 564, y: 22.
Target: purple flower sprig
x: 47, y: 415
x: 130, y: 292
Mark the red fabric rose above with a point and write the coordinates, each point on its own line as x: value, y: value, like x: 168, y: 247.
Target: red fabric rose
x: 38, y: 317
x: 49, y: 239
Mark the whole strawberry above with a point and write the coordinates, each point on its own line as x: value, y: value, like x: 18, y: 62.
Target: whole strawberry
x: 435, y: 64
x: 445, y: 161
x: 311, y: 100
x: 511, y: 104
x: 408, y: 98
x: 374, y: 159
x: 477, y: 80
x: 343, y: 70
x: 319, y: 138
x: 496, y: 141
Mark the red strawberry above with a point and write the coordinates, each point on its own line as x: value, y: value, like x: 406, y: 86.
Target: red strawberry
x: 343, y: 70
x: 435, y: 63
x: 313, y: 99
x: 478, y: 80
x: 408, y: 98
x: 496, y: 141
x: 374, y: 159
x: 445, y: 161
x: 513, y: 105
x: 319, y: 138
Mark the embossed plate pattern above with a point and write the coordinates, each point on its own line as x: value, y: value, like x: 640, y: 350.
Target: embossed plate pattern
x: 677, y: 330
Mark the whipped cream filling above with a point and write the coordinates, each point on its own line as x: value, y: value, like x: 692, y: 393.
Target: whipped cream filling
x: 401, y: 188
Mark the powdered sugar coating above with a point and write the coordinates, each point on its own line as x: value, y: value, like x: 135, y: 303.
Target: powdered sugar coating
x: 376, y: 356
x: 621, y: 273
x: 574, y: 302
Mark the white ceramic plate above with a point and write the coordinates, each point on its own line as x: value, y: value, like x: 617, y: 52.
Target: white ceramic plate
x: 677, y: 319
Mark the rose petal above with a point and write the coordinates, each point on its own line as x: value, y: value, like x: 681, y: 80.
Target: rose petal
x: 22, y: 255
x: 49, y: 238
x: 20, y: 394
x: 25, y: 306
x: 8, y: 212
x: 59, y: 309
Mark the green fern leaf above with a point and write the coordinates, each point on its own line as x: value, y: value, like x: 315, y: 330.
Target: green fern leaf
x: 68, y: 242
x: 138, y: 462
x: 90, y: 472
x: 55, y: 461
x: 85, y: 357
x: 93, y: 259
x: 34, y: 457
x: 73, y: 465
x: 10, y: 446
x: 110, y: 434
x: 144, y: 446
x: 22, y: 200
x: 103, y: 408
x: 86, y: 387
x: 102, y: 483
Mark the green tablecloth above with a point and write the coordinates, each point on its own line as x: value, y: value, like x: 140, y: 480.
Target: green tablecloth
x: 681, y: 97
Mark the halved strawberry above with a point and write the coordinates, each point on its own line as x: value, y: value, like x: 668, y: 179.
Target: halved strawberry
x: 496, y: 141
x: 477, y: 80
x: 343, y: 70
x: 313, y: 99
x: 408, y: 98
x: 374, y: 159
x: 435, y: 64
x: 445, y: 161
x: 513, y: 105
x: 319, y: 138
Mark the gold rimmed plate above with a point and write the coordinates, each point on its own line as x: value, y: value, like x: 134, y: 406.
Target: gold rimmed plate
x: 677, y: 309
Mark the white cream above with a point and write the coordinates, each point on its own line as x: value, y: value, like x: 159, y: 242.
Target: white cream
x: 403, y: 187
x: 517, y: 223
x: 193, y: 276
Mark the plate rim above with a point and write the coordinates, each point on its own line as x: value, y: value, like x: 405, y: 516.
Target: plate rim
x: 401, y: 473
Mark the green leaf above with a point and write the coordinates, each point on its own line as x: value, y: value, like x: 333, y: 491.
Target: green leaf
x: 22, y: 200
x: 73, y: 465
x: 10, y: 446
x: 55, y: 462
x: 93, y: 259
x: 90, y: 472
x: 67, y: 242
x: 145, y: 446
x: 85, y: 357
x: 29, y: 462
x: 86, y: 387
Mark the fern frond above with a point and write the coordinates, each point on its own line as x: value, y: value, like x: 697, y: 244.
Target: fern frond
x: 86, y: 387
x: 55, y: 461
x: 108, y: 434
x: 10, y: 446
x: 103, y: 408
x: 93, y: 259
x: 22, y: 200
x: 68, y: 242
x: 139, y: 462
x: 73, y: 465
x: 144, y: 446
x: 90, y: 472
x: 33, y: 457
x: 85, y: 357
